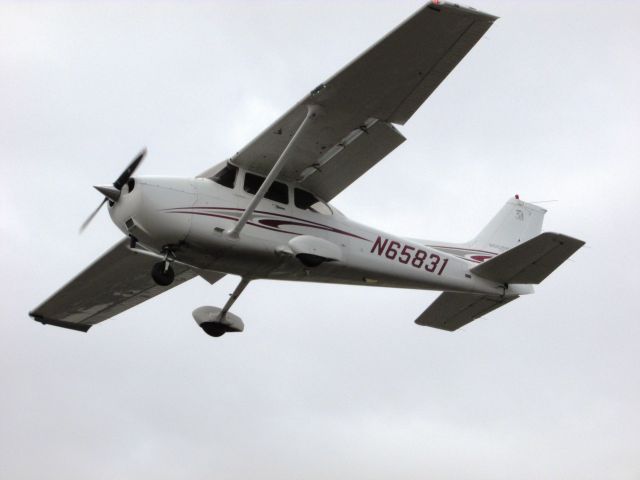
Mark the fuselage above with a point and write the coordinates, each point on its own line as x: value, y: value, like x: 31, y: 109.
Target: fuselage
x: 193, y: 216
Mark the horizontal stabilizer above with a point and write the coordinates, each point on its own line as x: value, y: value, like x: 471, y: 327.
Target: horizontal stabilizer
x: 451, y: 310
x: 531, y: 261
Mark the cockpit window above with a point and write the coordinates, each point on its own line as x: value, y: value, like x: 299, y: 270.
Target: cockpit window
x: 227, y: 176
x: 307, y: 201
x: 278, y: 192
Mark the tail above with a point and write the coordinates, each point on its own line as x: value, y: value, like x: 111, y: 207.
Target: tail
x: 528, y: 263
x: 525, y: 256
x: 515, y: 223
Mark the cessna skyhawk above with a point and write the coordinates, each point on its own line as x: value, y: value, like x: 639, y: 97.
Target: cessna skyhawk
x: 263, y: 214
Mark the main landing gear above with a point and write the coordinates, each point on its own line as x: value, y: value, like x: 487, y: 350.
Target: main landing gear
x: 213, y: 320
x: 218, y: 321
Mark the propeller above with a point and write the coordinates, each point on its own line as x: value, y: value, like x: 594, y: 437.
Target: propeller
x: 112, y: 192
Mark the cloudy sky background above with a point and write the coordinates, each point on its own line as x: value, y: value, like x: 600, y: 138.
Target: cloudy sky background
x: 341, y: 383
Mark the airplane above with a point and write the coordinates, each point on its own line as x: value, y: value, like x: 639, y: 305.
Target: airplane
x: 265, y: 214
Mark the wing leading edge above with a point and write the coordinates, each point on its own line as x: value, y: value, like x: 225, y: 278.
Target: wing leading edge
x: 360, y: 104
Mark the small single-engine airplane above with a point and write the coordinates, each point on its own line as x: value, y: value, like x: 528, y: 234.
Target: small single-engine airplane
x: 263, y: 214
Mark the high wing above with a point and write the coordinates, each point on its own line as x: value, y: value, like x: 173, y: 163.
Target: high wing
x: 359, y: 105
x: 117, y: 281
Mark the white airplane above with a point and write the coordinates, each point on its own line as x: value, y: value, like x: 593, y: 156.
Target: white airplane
x: 263, y: 214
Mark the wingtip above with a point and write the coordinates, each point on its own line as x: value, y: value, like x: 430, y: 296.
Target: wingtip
x: 439, y: 5
x: 60, y: 323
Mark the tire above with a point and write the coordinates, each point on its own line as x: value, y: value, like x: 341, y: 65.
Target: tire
x: 310, y: 260
x: 160, y: 276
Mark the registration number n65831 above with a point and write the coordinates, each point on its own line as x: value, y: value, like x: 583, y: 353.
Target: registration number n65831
x: 409, y: 255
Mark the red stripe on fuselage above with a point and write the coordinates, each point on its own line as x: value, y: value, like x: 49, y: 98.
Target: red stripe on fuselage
x: 266, y: 223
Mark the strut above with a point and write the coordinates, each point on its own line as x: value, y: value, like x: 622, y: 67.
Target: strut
x: 312, y: 111
x: 234, y: 296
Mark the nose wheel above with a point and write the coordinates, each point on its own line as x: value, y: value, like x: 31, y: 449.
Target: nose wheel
x: 162, y: 273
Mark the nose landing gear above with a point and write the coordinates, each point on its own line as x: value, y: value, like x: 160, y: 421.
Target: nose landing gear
x: 162, y: 272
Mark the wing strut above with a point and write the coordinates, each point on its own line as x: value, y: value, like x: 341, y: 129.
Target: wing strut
x: 312, y: 111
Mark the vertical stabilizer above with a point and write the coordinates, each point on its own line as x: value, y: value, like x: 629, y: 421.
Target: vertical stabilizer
x: 515, y: 223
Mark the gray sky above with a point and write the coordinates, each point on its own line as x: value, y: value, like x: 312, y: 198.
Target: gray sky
x: 341, y: 383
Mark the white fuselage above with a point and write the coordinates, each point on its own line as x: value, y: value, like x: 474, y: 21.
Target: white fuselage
x: 192, y: 216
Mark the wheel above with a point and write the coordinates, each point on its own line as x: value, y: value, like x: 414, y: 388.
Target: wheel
x: 214, y: 329
x: 161, y: 276
x: 310, y: 260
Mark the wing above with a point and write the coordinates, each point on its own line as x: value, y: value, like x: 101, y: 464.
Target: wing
x: 115, y: 282
x: 359, y: 105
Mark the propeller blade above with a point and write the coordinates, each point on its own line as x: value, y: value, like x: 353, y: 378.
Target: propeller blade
x: 126, y: 175
x: 93, y: 214
x: 112, y: 193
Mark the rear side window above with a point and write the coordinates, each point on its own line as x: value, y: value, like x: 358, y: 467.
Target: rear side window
x: 278, y: 192
x: 227, y: 176
x: 307, y: 201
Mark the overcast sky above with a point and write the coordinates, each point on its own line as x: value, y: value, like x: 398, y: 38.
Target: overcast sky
x: 341, y: 383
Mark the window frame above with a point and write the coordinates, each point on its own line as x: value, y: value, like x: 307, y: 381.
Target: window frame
x: 226, y: 167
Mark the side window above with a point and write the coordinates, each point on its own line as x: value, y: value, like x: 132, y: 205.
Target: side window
x: 278, y: 192
x: 227, y: 176
x: 307, y: 201
x: 252, y: 183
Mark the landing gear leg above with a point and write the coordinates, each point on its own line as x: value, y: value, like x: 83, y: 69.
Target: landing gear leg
x: 162, y: 272
x: 234, y: 296
x: 215, y: 321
